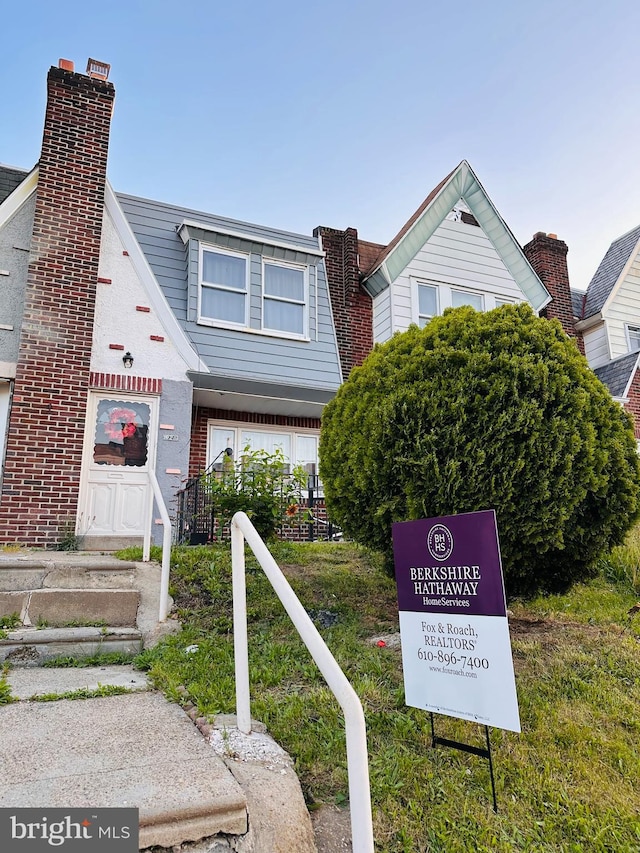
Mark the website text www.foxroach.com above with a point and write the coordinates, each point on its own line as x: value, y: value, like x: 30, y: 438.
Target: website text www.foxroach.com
x: 447, y: 671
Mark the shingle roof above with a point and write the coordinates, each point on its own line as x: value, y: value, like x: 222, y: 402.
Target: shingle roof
x: 10, y: 177
x: 407, y: 226
x: 616, y: 374
x: 609, y: 271
x: 368, y: 253
x: 577, y: 302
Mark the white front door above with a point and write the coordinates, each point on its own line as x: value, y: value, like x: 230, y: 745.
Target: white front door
x: 115, y: 499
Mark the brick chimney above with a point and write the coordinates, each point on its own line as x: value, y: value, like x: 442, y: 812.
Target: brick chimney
x: 548, y: 257
x: 45, y: 437
x: 352, y: 307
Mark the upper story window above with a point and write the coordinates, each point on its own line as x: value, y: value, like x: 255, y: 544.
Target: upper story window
x: 223, y: 292
x: 633, y: 336
x: 466, y: 297
x: 431, y: 298
x: 427, y: 303
x: 284, y: 298
x: 245, y: 291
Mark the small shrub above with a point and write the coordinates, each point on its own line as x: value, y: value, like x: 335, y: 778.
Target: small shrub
x: 260, y: 485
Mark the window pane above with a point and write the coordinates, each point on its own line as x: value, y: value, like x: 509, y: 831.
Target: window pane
x: 219, y: 440
x: 307, y: 450
x: 284, y: 316
x: 224, y: 269
x: 284, y: 281
x: 223, y: 305
x: 463, y: 297
x: 268, y: 441
x: 500, y: 302
x: 121, y: 433
x: 634, y: 338
x: 427, y: 300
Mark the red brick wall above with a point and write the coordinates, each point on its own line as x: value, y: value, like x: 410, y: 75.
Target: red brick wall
x: 44, y: 444
x: 352, y: 307
x: 201, y: 417
x: 548, y: 257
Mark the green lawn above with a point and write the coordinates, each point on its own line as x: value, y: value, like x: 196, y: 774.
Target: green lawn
x: 569, y: 782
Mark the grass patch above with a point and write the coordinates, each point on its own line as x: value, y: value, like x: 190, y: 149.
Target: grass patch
x: 82, y: 693
x: 6, y: 696
x: 106, y: 659
x: 567, y: 784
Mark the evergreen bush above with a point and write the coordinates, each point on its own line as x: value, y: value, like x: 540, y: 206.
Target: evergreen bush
x: 477, y: 411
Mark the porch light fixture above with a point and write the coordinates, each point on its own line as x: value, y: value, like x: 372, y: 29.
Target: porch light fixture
x: 127, y: 359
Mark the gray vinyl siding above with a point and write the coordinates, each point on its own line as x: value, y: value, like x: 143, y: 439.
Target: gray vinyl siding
x: 15, y: 240
x: 235, y: 353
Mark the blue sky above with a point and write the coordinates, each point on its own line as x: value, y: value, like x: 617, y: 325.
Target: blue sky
x: 294, y: 114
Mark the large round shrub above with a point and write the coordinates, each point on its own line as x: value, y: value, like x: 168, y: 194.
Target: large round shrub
x: 478, y: 411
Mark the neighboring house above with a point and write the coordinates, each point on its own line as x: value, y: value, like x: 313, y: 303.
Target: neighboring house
x: 608, y: 317
x: 137, y: 336
x: 454, y: 250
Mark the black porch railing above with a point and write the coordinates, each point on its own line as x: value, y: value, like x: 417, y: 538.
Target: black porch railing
x: 198, y: 521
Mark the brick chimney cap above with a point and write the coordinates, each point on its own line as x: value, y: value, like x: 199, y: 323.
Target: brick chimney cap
x: 539, y: 234
x: 65, y: 64
x: 552, y: 236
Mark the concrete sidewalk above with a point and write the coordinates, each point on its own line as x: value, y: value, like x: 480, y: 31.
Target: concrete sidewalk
x: 212, y: 785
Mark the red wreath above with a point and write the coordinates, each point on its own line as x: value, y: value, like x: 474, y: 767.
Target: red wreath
x: 121, y: 424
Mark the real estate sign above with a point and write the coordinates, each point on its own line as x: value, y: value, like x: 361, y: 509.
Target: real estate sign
x: 456, y: 652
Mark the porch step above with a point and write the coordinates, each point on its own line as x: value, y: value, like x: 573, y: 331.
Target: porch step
x: 72, y: 607
x: 77, y: 604
x: 34, y: 646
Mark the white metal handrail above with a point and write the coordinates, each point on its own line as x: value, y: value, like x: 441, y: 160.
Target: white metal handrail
x: 356, y: 734
x: 166, y: 544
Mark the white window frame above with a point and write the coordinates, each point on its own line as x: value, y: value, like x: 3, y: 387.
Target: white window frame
x: 235, y: 429
x: 425, y: 317
x: 212, y: 321
x: 279, y: 333
x: 630, y: 331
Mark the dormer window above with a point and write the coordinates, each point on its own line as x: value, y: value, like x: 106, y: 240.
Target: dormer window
x: 284, y: 298
x: 223, y: 291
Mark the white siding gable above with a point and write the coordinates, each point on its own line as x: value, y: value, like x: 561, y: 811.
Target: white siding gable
x: 623, y: 310
x: 457, y: 255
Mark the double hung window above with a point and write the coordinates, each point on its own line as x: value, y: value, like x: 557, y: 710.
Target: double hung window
x: 427, y: 303
x: 223, y: 295
x: 284, y: 298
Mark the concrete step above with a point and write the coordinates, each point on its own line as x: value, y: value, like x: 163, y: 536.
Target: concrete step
x: 63, y: 607
x: 135, y: 750
x: 206, y: 784
x: 33, y: 646
x: 65, y: 590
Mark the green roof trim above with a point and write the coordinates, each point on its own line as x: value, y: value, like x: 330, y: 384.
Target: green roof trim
x: 461, y: 184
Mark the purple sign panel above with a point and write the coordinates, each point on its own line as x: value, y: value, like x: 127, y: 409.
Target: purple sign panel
x: 450, y: 565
